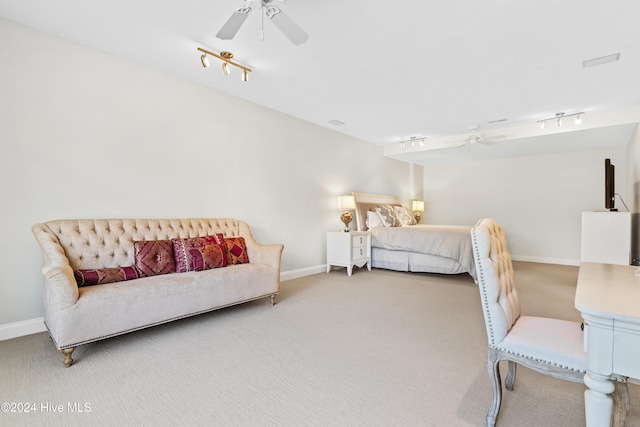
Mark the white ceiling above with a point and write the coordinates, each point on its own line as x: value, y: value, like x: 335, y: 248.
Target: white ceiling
x: 388, y: 69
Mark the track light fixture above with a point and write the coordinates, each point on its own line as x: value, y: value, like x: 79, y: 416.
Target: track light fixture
x: 225, y: 57
x: 413, y: 141
x: 559, y: 117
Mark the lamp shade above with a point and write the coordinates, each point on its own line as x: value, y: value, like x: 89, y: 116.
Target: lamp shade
x: 417, y: 205
x: 346, y: 203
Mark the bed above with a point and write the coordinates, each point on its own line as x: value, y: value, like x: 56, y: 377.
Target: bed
x: 444, y: 249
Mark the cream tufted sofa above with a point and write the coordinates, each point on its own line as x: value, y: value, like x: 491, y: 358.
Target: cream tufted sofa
x: 79, y: 315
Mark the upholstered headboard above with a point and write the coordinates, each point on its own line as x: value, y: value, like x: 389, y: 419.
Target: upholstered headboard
x: 368, y: 201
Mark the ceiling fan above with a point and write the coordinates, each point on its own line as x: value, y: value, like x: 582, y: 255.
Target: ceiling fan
x: 290, y: 29
x: 476, y: 138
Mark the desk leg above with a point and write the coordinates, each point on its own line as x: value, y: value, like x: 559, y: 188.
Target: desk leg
x: 597, y: 400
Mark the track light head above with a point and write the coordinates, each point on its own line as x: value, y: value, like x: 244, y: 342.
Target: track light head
x: 245, y: 75
x: 578, y: 119
x: 225, y: 65
x: 204, y: 60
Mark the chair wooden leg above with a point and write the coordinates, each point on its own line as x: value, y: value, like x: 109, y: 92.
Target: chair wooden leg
x: 621, y: 402
x: 494, y: 374
x: 511, y: 375
x: 67, y: 356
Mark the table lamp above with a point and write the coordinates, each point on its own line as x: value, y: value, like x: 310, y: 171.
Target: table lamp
x: 417, y: 206
x: 346, y: 204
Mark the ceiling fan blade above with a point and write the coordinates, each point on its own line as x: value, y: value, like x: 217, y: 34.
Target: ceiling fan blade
x: 446, y: 145
x: 233, y: 24
x: 290, y: 29
x: 492, y: 139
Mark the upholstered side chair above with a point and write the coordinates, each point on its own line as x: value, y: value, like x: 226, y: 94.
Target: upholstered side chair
x: 549, y: 346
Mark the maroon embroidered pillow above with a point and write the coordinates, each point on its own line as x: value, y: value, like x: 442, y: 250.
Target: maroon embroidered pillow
x: 236, y: 250
x: 99, y: 276
x: 199, y: 253
x: 153, y: 257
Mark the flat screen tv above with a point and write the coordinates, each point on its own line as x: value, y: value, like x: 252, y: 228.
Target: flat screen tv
x: 609, y: 185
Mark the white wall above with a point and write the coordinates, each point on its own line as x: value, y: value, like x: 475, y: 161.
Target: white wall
x: 633, y: 173
x: 538, y: 199
x: 87, y: 135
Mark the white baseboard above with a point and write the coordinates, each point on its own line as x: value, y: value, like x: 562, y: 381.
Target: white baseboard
x: 302, y: 272
x: 20, y: 329
x: 34, y: 326
x: 543, y: 260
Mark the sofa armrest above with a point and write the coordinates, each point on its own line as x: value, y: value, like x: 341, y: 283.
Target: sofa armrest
x: 60, y: 287
x: 266, y: 254
x: 52, y: 252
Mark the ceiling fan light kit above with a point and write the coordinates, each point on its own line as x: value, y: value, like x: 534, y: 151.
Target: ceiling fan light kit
x: 226, y: 58
x: 285, y: 24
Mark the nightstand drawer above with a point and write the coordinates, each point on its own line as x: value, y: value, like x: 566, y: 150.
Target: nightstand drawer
x: 358, y: 241
x: 357, y: 253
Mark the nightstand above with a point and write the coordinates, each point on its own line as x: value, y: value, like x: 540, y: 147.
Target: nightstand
x: 348, y: 249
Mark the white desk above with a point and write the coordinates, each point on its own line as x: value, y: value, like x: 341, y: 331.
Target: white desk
x: 608, y: 296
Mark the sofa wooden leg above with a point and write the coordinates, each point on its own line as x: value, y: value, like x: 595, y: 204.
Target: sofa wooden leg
x: 272, y: 299
x: 67, y: 356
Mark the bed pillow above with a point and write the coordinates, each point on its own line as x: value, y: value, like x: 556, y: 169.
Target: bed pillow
x: 100, y: 276
x: 388, y: 216
x: 199, y: 253
x: 404, y: 215
x: 373, y: 220
x: 153, y: 257
x: 236, y: 250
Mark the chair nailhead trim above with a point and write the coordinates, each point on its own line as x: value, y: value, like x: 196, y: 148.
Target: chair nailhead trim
x: 539, y: 360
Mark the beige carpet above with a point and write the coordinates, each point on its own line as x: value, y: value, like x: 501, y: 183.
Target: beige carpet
x: 379, y: 348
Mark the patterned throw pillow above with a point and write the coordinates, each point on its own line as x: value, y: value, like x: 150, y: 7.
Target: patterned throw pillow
x: 406, y: 218
x: 199, y: 253
x: 388, y: 216
x: 236, y: 250
x: 153, y: 257
x: 373, y: 220
x: 99, y: 276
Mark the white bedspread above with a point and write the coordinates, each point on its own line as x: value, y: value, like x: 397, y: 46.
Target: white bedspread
x: 447, y: 241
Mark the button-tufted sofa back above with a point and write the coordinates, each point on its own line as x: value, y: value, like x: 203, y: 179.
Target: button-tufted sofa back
x: 500, y: 303
x: 101, y: 243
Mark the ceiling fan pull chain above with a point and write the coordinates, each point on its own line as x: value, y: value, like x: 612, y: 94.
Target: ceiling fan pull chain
x: 262, y: 25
